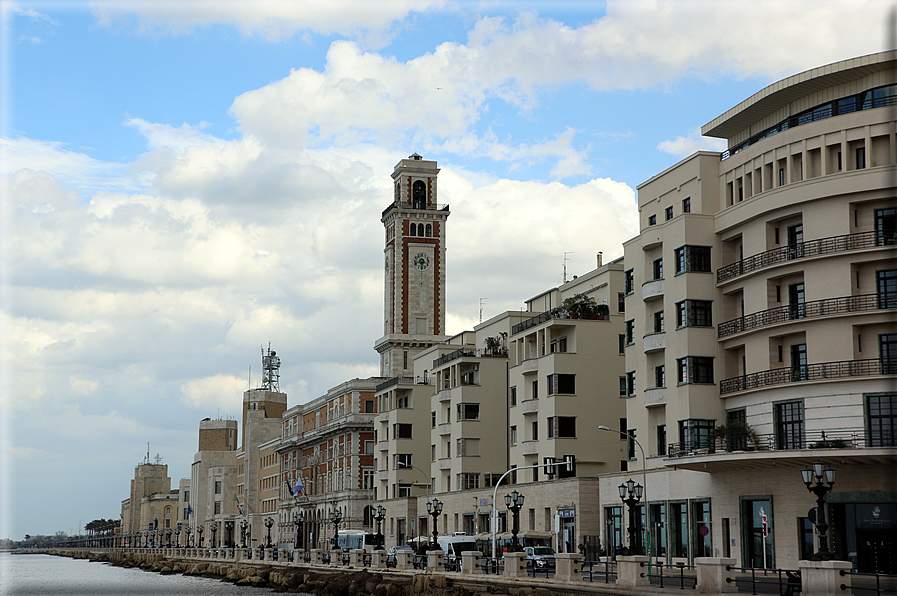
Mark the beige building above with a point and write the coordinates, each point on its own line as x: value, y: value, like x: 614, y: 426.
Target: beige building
x: 761, y: 336
x: 152, y: 506
x: 212, y: 484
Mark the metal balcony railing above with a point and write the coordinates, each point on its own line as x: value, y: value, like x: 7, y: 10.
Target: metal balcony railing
x: 784, y: 441
x: 403, y: 381
x: 809, y: 372
x: 556, y: 313
x: 807, y: 310
x: 415, y: 205
x: 810, y: 248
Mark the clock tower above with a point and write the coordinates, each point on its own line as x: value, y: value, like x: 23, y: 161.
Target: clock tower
x: 414, y: 262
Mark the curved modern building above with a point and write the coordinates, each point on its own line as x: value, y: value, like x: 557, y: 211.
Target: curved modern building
x: 762, y: 296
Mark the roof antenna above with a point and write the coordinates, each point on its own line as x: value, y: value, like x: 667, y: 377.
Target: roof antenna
x: 565, y: 264
x: 481, y: 308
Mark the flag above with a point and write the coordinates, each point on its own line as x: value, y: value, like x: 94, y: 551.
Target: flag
x: 289, y: 488
x: 239, y: 507
x: 298, y: 490
x: 189, y: 511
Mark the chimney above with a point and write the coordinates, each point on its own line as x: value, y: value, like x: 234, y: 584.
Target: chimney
x: 599, y: 258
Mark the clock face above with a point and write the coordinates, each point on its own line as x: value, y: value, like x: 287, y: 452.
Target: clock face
x: 421, y: 261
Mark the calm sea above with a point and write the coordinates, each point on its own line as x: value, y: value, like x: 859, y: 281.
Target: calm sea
x: 44, y: 575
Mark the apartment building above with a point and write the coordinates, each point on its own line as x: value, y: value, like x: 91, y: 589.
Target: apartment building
x: 212, y: 483
x: 760, y: 333
x: 328, y: 445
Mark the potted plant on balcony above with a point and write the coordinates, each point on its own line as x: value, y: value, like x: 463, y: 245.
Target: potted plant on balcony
x: 736, y: 436
x: 581, y: 306
x: 495, y: 347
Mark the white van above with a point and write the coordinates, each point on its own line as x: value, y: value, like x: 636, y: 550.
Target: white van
x: 456, y: 544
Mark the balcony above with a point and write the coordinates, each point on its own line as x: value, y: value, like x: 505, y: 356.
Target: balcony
x: 810, y: 248
x: 383, y: 475
x: 818, y: 439
x: 531, y: 448
x: 445, y: 428
x: 445, y: 463
x: 821, y: 371
x: 652, y: 289
x: 556, y: 313
x: 415, y: 206
x: 655, y: 342
x: 656, y: 396
x: 445, y: 395
x: 530, y: 406
x: 808, y: 310
x: 403, y: 381
x: 453, y: 356
x: 531, y: 366
x: 383, y: 446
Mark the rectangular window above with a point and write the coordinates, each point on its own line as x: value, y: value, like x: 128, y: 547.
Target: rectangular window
x: 401, y: 460
x: 468, y: 481
x: 669, y: 213
x: 629, y: 328
x: 624, y: 388
x: 679, y: 530
x: 628, y: 282
x: 621, y: 342
x: 562, y: 427
x: 686, y: 205
x: 660, y: 376
x: 694, y: 313
x: 861, y: 157
x: 368, y: 406
x: 369, y: 448
x: 630, y: 383
x: 886, y: 227
x: 694, y: 433
x: 692, y: 258
x: 703, y: 542
x: 535, y: 430
x: 401, y: 431
x: 514, y: 396
x: 630, y: 445
x: 881, y: 413
x: 561, y: 383
x: 652, y: 220
x: 799, y: 370
x: 217, y: 487
x: 621, y: 302
x: 886, y: 287
x: 658, y: 322
x: 513, y: 435
x: 789, y: 419
x: 887, y: 352
x: 217, y: 508
x: 432, y: 419
x: 535, y: 389
x: 694, y: 369
x: 468, y: 411
x: 661, y: 439
x: 658, y: 268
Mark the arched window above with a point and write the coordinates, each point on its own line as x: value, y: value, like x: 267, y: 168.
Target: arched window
x: 429, y: 230
x: 413, y: 231
x: 419, y: 195
x: 168, y: 517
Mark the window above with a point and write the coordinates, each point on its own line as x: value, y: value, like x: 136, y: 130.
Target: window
x: 559, y: 345
x: 369, y: 448
x: 661, y: 439
x: 413, y: 230
x: 799, y: 371
x: 630, y: 383
x: 621, y: 302
x: 368, y: 406
x: 695, y: 369
x: 658, y: 269
x: 658, y: 322
x: 630, y: 444
x: 468, y: 447
x: 652, y: 220
x: 881, y: 412
x: 468, y: 411
x: 628, y: 282
x: 886, y: 282
x: 886, y: 227
x: 432, y: 419
x: 561, y: 383
x: 217, y: 487
x: 401, y: 460
x: 468, y: 481
x: 432, y: 452
x: 694, y: 313
x: 402, y: 402
x: 861, y: 157
x: 513, y: 435
x: 660, y: 376
x: 887, y: 351
x: 669, y: 213
x: 694, y: 433
x: 535, y: 389
x: 686, y: 205
x: 796, y: 299
x: 401, y: 431
x: 621, y: 343
x: 419, y: 194
x: 679, y: 530
x: 404, y: 490
x: 693, y: 258
x: 514, y: 396
x: 701, y: 516
x: 217, y: 508
x: 789, y: 420
x: 367, y: 479
x: 535, y: 430
x: 630, y: 332
x: 562, y: 427
x: 795, y: 241
x: 624, y: 387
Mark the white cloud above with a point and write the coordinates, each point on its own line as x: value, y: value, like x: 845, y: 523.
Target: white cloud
x: 694, y: 141
x: 216, y: 391
x: 83, y: 386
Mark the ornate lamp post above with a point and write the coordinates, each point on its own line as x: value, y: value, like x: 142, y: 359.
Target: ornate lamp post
x: 514, y: 502
x: 189, y: 536
x: 381, y: 515
x: 268, y: 523
x: 243, y: 525
x: 214, y: 528
x: 229, y: 534
x: 631, y: 494
x: 168, y: 538
x: 177, y: 536
x: 199, y: 530
x: 336, y: 517
x: 298, y: 518
x: 435, y: 509
x: 825, y: 480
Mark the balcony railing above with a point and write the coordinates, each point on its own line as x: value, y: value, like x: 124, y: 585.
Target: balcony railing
x: 415, y: 205
x: 809, y: 372
x: 810, y: 248
x: 786, y: 441
x: 556, y: 313
x: 403, y: 381
x: 807, y: 310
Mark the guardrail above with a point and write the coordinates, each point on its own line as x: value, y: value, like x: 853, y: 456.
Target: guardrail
x: 884, y: 583
x: 658, y: 576
x: 606, y: 571
x: 809, y: 372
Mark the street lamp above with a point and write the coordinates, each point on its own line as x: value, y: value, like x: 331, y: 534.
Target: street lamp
x: 631, y: 494
x: 381, y: 515
x: 200, y: 529
x: 298, y: 518
x: 514, y: 502
x: 177, y: 537
x: 268, y: 523
x: 434, y: 509
x: 336, y: 517
x: 229, y: 534
x: 189, y: 536
x: 820, y: 489
x: 168, y: 538
x: 214, y: 528
x: 243, y: 525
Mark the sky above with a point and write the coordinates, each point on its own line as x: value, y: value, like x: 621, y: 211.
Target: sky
x: 184, y: 182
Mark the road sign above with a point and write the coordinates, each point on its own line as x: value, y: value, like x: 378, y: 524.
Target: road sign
x: 704, y: 530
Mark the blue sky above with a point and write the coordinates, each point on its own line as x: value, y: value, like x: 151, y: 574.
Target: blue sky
x: 184, y: 182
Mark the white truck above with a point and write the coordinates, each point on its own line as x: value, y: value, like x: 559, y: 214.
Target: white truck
x: 454, y: 545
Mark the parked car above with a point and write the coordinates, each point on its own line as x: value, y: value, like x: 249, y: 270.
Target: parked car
x: 392, y: 554
x: 539, y: 557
